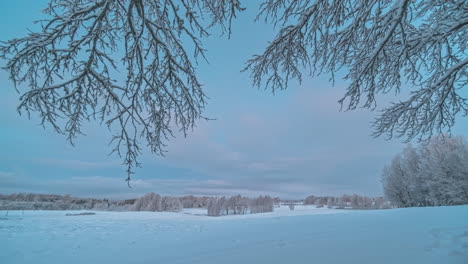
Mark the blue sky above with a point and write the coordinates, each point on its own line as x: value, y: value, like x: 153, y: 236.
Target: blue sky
x: 291, y: 144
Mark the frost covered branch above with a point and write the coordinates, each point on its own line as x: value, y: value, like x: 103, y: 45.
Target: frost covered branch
x: 126, y: 63
x: 380, y: 44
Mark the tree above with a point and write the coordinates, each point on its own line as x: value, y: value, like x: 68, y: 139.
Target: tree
x: 149, y: 202
x: 430, y: 175
x: 239, y: 205
x: 402, y: 179
x: 215, y: 206
x: 71, y: 65
x: 393, y: 183
x: 309, y: 200
x: 445, y: 171
x: 379, y: 44
x: 261, y: 204
x: 171, y: 204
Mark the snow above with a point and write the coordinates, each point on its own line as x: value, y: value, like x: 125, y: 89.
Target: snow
x: 305, y: 235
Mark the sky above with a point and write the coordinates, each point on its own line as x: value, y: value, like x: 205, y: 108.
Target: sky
x: 291, y: 144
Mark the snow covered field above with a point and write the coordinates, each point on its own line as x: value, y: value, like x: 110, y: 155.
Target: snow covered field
x: 305, y: 235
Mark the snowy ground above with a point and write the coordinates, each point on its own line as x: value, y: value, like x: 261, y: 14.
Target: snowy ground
x: 305, y: 235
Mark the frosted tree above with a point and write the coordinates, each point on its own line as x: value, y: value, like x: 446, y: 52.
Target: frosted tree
x: 149, y: 202
x: 239, y: 205
x: 211, y: 208
x: 365, y: 202
x: 171, y: 204
x: 188, y: 201
x: 433, y: 174
x: 309, y: 200
x: 215, y: 206
x: 402, y: 181
x: 357, y: 201
x: 414, y: 179
x: 378, y: 203
x: 395, y: 182
x: 261, y: 204
x: 129, y: 64
x: 379, y: 45
x: 235, y: 205
x: 445, y: 171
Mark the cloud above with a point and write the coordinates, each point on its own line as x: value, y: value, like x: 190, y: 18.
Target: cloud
x: 294, y: 147
x: 303, y: 144
x: 78, y: 164
x: 92, y: 186
x: 109, y: 187
x: 293, y: 144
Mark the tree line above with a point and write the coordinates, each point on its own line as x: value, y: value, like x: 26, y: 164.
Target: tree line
x: 148, y: 202
x: 152, y: 202
x: 348, y: 202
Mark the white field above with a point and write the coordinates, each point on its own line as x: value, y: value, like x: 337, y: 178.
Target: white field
x: 305, y: 235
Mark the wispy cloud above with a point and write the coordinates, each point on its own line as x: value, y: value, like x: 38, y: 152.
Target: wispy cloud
x: 299, y: 146
x: 78, y: 164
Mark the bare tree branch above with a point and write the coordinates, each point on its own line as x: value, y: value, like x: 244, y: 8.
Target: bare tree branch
x: 380, y: 44
x: 70, y: 66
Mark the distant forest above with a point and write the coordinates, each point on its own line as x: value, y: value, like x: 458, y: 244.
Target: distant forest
x: 153, y: 202
x: 216, y: 206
